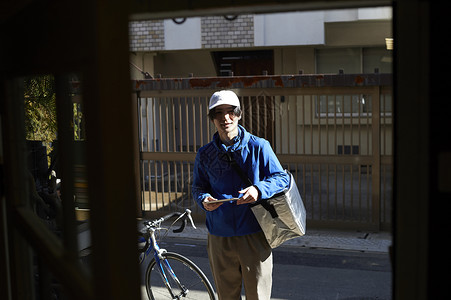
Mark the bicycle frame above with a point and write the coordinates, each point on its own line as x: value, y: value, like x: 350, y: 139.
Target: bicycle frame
x: 162, y: 265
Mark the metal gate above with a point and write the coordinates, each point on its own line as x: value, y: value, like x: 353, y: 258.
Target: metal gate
x: 333, y: 132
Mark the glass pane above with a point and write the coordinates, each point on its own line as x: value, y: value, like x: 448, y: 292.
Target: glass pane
x: 332, y: 60
x: 55, y: 140
x: 40, y: 132
x: 349, y: 105
x: 377, y: 58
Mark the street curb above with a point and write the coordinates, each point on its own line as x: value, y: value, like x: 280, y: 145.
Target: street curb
x: 325, y: 239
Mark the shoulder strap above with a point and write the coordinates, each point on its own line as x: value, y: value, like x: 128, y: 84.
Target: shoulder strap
x: 240, y: 172
x: 269, y: 207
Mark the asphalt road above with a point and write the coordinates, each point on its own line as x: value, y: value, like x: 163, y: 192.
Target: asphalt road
x: 313, y: 274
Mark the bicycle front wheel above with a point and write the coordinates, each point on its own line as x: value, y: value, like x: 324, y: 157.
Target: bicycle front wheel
x: 187, y: 282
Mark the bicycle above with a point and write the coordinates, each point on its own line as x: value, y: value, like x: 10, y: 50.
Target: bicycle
x: 170, y: 275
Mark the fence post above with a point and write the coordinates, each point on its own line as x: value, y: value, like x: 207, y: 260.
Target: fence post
x: 136, y: 151
x: 376, y: 169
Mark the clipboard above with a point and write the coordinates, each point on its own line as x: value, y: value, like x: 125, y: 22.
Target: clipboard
x: 223, y: 200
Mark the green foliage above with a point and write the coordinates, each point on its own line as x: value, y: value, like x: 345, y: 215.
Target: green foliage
x: 40, y: 108
x: 40, y: 111
x: 78, y: 124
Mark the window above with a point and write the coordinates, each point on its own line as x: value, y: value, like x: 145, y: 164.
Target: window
x: 377, y: 58
x: 358, y: 105
x: 244, y: 63
x: 344, y: 105
x: 353, y: 60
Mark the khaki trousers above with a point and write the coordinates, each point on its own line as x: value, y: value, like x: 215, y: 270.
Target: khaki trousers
x: 238, y: 259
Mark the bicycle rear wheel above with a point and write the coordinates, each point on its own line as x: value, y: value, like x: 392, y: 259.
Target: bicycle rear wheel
x: 195, y: 284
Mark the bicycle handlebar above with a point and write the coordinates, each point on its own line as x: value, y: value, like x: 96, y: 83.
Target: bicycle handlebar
x: 180, y: 216
x: 184, y: 216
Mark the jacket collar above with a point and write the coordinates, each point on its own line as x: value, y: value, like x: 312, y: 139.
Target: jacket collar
x: 241, y: 141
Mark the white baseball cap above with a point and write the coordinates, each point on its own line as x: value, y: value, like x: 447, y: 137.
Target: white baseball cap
x: 223, y: 97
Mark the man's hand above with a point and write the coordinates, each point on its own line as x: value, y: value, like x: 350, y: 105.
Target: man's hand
x: 250, y: 194
x: 209, y: 203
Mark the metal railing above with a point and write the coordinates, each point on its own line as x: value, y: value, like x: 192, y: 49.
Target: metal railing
x: 333, y: 132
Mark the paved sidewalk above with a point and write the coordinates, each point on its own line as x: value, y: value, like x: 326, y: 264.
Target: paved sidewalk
x: 326, y: 239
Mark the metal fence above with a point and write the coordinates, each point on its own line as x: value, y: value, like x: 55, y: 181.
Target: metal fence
x: 333, y: 132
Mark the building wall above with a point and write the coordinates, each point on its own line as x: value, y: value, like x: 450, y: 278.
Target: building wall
x: 147, y: 35
x: 178, y: 50
x: 184, y: 63
x: 217, y: 32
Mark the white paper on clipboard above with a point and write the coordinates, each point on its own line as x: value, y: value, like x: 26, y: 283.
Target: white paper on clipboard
x: 223, y: 200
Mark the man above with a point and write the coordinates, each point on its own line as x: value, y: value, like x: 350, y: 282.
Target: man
x: 237, y: 248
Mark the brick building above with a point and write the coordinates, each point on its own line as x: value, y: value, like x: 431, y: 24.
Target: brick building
x: 352, y: 40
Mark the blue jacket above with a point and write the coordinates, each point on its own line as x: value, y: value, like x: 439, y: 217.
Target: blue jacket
x: 214, y: 176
